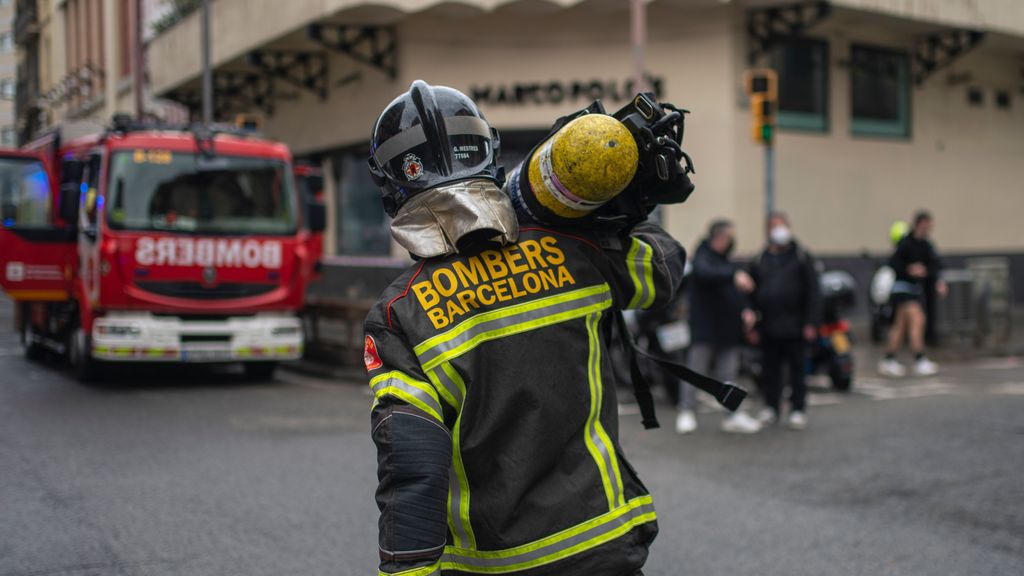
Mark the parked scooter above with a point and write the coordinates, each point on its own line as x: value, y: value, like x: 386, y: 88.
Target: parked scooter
x: 831, y: 353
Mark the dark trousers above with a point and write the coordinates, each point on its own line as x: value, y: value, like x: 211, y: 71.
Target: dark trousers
x: 777, y: 353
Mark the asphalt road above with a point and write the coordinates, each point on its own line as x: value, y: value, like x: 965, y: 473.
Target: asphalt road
x: 170, y: 471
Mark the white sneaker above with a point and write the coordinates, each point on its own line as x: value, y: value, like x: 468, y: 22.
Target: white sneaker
x: 767, y: 416
x: 925, y: 367
x: 686, y: 422
x: 891, y: 367
x: 797, y: 420
x: 741, y: 423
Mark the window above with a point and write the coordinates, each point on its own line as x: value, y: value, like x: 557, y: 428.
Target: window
x: 362, y: 225
x: 7, y: 89
x: 8, y: 137
x: 183, y: 192
x: 975, y: 97
x: 880, y: 92
x: 1003, y: 100
x: 24, y: 193
x: 6, y: 42
x: 802, y: 65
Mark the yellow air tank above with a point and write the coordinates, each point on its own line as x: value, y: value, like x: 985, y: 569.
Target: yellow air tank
x: 582, y: 166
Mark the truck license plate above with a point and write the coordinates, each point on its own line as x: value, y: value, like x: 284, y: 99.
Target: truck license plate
x: 205, y: 355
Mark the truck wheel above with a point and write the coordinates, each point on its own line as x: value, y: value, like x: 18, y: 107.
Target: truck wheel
x: 33, y: 351
x: 83, y: 365
x: 260, y: 371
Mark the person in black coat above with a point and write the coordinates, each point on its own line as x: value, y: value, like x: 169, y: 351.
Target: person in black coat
x: 787, y: 300
x: 717, y: 304
x: 917, y: 266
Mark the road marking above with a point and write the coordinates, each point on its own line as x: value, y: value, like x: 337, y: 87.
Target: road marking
x: 882, y: 390
x: 1008, y: 388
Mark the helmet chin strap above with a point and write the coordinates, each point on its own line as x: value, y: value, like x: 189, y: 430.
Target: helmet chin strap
x: 454, y: 217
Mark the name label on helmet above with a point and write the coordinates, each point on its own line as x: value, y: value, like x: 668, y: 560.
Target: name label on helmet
x: 462, y: 152
x: 523, y: 269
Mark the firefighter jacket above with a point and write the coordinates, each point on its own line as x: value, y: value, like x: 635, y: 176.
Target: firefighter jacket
x: 494, y: 411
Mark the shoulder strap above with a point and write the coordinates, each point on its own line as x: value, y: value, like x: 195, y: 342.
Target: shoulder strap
x: 728, y: 394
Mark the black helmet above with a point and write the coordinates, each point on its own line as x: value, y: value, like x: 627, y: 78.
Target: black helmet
x: 429, y: 136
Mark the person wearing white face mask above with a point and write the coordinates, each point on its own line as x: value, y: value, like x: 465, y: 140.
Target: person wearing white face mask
x: 787, y: 300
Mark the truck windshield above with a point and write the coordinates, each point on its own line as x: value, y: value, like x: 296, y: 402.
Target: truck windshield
x: 164, y: 190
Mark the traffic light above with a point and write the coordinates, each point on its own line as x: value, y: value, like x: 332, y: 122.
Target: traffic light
x: 763, y: 110
x: 762, y: 88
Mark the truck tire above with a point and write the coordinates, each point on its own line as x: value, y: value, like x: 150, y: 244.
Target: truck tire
x: 33, y: 351
x: 83, y: 365
x: 260, y: 371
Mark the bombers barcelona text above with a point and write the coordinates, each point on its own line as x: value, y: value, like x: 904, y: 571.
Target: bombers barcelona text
x: 513, y: 272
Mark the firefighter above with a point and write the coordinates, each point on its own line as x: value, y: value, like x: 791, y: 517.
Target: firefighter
x: 494, y: 413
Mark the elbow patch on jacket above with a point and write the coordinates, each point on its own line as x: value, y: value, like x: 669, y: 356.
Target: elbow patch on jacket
x: 414, y: 454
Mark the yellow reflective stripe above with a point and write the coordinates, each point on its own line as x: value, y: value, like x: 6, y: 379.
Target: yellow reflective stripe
x: 458, y: 495
x: 590, y: 437
x: 580, y: 538
x: 458, y: 482
x: 469, y: 324
x: 556, y: 310
x: 434, y: 568
x: 649, y: 277
x: 454, y: 376
x: 641, y: 272
x: 439, y: 379
x: 611, y: 476
x: 414, y: 392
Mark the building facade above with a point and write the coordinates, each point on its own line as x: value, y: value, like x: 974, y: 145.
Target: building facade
x: 886, y: 106
x: 76, y: 61
x: 8, y: 74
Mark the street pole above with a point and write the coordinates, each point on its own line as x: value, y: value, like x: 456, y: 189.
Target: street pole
x: 207, y: 73
x: 769, y: 179
x: 638, y: 40
x: 139, y: 64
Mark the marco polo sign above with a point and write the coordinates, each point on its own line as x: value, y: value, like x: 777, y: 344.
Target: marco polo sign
x: 560, y: 92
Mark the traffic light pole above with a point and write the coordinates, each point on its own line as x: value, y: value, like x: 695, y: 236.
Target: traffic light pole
x: 769, y: 179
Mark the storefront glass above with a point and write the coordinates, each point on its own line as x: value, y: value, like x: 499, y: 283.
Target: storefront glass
x: 362, y: 226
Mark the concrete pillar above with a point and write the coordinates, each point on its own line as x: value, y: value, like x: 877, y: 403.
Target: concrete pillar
x: 110, y: 58
x: 331, y: 204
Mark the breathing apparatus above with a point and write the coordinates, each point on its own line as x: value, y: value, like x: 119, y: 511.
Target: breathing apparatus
x: 600, y: 170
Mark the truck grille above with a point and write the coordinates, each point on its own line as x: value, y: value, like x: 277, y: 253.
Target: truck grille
x: 197, y: 291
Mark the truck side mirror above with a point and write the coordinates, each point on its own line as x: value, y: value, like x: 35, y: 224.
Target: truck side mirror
x: 71, y: 171
x: 69, y: 200
x: 317, y: 214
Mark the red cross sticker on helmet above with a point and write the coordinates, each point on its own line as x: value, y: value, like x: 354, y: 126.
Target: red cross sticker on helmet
x: 412, y: 166
x: 370, y: 356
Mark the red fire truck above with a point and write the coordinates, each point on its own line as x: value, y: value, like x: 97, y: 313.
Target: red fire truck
x: 143, y: 243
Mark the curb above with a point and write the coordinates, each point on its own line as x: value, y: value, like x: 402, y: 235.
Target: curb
x: 322, y: 370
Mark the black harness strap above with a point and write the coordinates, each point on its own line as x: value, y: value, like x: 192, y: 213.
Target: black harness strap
x: 728, y: 394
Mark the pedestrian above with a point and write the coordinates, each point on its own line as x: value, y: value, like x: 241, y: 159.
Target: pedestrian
x: 917, y: 265
x: 786, y: 298
x: 495, y: 418
x: 718, y: 311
